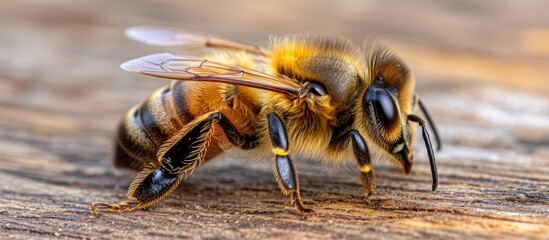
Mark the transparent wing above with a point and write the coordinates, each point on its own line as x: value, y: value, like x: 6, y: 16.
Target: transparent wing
x: 177, y: 67
x: 165, y: 36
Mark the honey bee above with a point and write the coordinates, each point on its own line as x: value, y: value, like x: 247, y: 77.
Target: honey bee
x: 302, y: 97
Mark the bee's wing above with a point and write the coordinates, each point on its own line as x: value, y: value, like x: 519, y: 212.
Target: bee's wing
x: 177, y: 67
x: 165, y: 36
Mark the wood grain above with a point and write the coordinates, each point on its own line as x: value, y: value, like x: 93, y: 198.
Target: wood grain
x: 482, y: 69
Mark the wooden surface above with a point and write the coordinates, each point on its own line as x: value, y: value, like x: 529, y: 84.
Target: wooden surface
x: 482, y: 69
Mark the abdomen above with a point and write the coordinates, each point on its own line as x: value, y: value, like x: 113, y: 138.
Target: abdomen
x: 148, y: 125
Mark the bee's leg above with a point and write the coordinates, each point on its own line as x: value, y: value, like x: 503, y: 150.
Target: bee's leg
x: 367, y: 176
x: 179, y: 156
x: 149, y: 187
x: 284, y: 168
x: 362, y: 156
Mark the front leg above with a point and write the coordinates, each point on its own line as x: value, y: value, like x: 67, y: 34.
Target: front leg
x: 362, y: 156
x: 284, y: 168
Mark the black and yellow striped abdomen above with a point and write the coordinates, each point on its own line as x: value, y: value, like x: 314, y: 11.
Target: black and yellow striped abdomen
x: 148, y: 125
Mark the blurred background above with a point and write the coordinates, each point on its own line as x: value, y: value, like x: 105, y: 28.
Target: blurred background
x: 482, y: 68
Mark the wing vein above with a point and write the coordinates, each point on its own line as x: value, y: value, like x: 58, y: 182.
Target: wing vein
x: 165, y: 65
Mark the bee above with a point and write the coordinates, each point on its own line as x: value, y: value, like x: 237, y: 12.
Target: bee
x: 302, y: 97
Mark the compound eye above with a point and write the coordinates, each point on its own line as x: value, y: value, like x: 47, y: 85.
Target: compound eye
x: 381, y: 107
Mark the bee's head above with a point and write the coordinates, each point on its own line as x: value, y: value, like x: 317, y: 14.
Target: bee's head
x: 386, y: 122
x: 386, y: 106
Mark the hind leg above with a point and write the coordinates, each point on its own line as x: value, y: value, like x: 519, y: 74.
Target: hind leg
x: 178, y: 156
